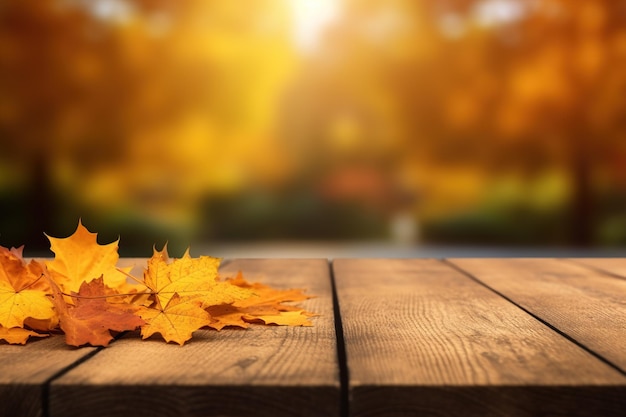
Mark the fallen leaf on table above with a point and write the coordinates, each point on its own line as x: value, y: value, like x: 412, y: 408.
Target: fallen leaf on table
x: 175, y: 322
x: 17, y: 335
x: 227, y: 315
x: 22, y: 291
x: 83, y: 293
x: 284, y: 318
x: 266, y: 294
x: 92, y: 317
x: 190, y: 278
x: 182, y: 289
x: 79, y: 258
x: 42, y: 325
x: 263, y: 306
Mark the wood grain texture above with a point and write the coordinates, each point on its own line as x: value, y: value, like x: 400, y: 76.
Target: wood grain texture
x: 24, y: 371
x: 262, y: 371
x: 614, y: 266
x: 587, y: 305
x: 423, y: 339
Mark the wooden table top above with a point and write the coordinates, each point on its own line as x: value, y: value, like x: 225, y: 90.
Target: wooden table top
x: 395, y: 337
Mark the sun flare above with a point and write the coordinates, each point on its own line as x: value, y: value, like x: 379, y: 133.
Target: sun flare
x: 310, y: 17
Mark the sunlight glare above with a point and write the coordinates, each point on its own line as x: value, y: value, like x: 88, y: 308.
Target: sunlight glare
x: 496, y: 12
x: 310, y: 18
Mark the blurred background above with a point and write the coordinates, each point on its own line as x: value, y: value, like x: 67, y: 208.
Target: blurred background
x: 389, y: 126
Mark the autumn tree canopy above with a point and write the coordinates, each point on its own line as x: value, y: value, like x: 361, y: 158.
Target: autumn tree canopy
x: 144, y: 113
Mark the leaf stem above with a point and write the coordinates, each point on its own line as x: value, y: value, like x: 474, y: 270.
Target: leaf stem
x: 137, y: 280
x: 95, y: 297
x: 32, y: 283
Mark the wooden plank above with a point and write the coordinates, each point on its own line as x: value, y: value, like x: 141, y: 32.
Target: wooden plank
x: 587, y: 305
x: 262, y: 371
x: 423, y: 339
x: 614, y: 266
x: 25, y: 370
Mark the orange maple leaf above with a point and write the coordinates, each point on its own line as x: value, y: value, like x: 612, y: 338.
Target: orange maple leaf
x: 264, y: 306
x: 17, y: 335
x: 282, y: 318
x: 22, y: 291
x: 79, y: 258
x: 92, y: 317
x: 264, y: 294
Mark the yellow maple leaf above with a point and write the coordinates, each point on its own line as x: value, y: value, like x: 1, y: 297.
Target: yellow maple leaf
x: 190, y: 278
x: 79, y: 258
x: 23, y: 294
x: 181, y: 290
x: 17, y: 335
x: 175, y: 322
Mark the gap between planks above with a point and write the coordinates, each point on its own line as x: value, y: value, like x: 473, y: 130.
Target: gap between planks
x: 341, y: 353
x: 419, y: 336
x: 305, y: 377
x: 574, y: 310
x: 342, y: 357
x: 45, y: 390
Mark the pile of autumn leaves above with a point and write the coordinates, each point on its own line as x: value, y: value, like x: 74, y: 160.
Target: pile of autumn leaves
x: 83, y: 294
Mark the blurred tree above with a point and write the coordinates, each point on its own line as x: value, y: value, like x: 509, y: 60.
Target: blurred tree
x: 469, y: 91
x: 134, y: 111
